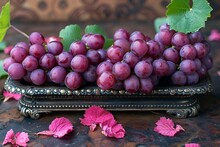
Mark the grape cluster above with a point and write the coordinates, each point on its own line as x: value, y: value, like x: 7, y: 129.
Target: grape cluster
x: 134, y: 62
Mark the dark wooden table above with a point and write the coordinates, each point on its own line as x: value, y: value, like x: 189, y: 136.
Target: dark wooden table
x: 203, y: 129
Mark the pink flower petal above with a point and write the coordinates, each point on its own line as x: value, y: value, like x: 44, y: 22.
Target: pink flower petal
x: 192, y: 145
x: 22, y: 139
x: 9, y: 95
x: 9, y: 137
x: 166, y: 127
x: 214, y: 36
x: 46, y: 132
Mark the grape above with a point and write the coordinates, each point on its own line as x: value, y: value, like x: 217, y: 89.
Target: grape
x: 18, y: 54
x: 179, y: 39
x: 192, y: 78
x: 64, y: 59
x: 153, y: 48
x: 38, y: 77
x: 93, y: 56
x: 165, y: 37
x: 73, y: 80
x: 179, y: 78
x: 121, y: 34
x: 171, y: 54
x: 7, y: 62
x: 143, y: 69
x: 104, y: 66
x: 161, y: 67
x: 79, y: 63
x: 16, y: 71
x: 207, y: 45
x: 102, y: 54
x: 90, y: 74
x: 201, y: 49
x: 115, y: 53
x: 8, y: 49
x: 188, y: 66
x: 27, y: 77
x: 52, y: 38
x: 36, y: 38
x: 30, y: 63
x: 172, y: 67
x: 147, y: 38
x: 47, y: 61
x: 202, y: 72
x: 137, y: 35
x: 139, y: 47
x: 124, y: 44
x: 23, y: 45
x: 188, y: 52
x: 196, y: 37
x: 198, y: 63
x: 146, y: 85
x: 85, y: 37
x: 131, y: 59
x: 207, y: 61
x: 132, y: 84
x: 106, y: 80
x: 57, y: 74
x: 37, y: 51
x: 154, y: 79
x: 121, y: 70
x: 118, y: 85
x: 165, y: 27
x: 55, y: 47
x: 95, y: 41
x: 147, y: 59
x: 77, y: 48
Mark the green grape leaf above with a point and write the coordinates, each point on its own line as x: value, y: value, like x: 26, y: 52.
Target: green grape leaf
x: 3, y: 45
x: 158, y: 22
x: 4, y: 20
x: 70, y: 34
x: 3, y: 73
x: 184, y: 19
x: 108, y: 43
x: 95, y: 29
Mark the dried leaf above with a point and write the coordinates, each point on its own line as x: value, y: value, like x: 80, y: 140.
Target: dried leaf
x: 58, y: 128
x: 166, y: 127
x: 214, y: 36
x: 8, y: 95
x: 192, y: 145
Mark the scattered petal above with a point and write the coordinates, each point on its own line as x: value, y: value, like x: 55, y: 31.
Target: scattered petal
x: 166, y: 127
x: 192, y: 145
x: 7, y: 95
x: 214, y: 36
x: 8, y: 49
x: 9, y: 137
x: 58, y: 128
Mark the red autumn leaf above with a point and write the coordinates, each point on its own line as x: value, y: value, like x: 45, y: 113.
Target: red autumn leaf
x: 214, y: 36
x: 166, y: 127
x: 58, y: 128
x: 192, y: 145
x: 18, y: 139
x: 7, y: 95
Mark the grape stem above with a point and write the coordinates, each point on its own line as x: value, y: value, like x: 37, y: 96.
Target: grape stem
x: 20, y: 31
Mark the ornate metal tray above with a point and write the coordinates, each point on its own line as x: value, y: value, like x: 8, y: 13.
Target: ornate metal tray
x: 181, y: 102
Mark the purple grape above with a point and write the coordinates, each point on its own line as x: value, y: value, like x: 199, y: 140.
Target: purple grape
x: 146, y: 85
x: 172, y: 67
x: 153, y: 48
x: 121, y: 34
x: 95, y: 41
x: 27, y: 77
x: 104, y: 66
x: 143, y: 69
x: 165, y: 27
x: 171, y: 54
x: 198, y: 63
x: 64, y: 59
x: 18, y: 54
x: 147, y: 59
x: 118, y: 85
x: 47, y: 61
x: 37, y: 51
x: 165, y: 37
x: 73, y: 80
x: 78, y: 48
x: 23, y: 45
x: 192, y: 78
x: 179, y: 78
x: 38, y: 77
x: 201, y: 49
x: 131, y: 59
x: 207, y: 61
x: 115, y: 53
x: 79, y: 63
x: 196, y: 37
x: 139, y: 47
x: 90, y: 74
x: 147, y: 38
x: 93, y: 56
x: 85, y: 37
x: 179, y: 39
x: 188, y: 52
x: 102, y: 54
x: 154, y: 79
x: 161, y: 67
x: 124, y: 44
x: 55, y: 47
x: 7, y: 62
x: 132, y: 84
x: 36, y: 38
x: 16, y: 71
x: 57, y: 74
x: 106, y: 80
x: 188, y: 66
x: 202, y: 72
x: 30, y: 63
x: 121, y: 70
x: 137, y: 35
